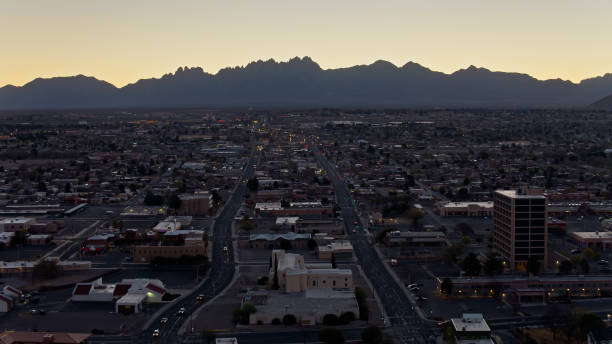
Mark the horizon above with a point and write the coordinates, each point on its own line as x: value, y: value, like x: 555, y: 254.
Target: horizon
x: 301, y: 58
x: 123, y: 42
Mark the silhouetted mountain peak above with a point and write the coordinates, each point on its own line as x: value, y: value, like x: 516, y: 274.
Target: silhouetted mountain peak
x: 300, y: 82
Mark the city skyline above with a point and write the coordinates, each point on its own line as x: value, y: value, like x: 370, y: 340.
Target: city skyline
x: 122, y: 43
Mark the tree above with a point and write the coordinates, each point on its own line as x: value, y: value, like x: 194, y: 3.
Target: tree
x: 19, y: 238
x: 216, y: 198
x: 242, y: 314
x: 471, y: 265
x: 117, y: 224
x: 589, y: 322
x: 331, y: 320
x: 331, y: 335
x: 275, y: 285
x: 584, y: 266
x: 451, y: 253
x: 47, y: 269
x: 67, y: 188
x: 493, y: 265
x: 253, y: 184
x: 333, y: 260
x: 346, y: 318
x: 285, y: 203
x: 533, y: 265
x: 285, y: 244
x: 174, y: 202
x: 565, y: 267
x: 415, y: 215
x: 466, y: 240
x: 151, y: 199
x: 289, y: 319
x: 372, y: 335
x: 312, y: 244
x: 447, y: 286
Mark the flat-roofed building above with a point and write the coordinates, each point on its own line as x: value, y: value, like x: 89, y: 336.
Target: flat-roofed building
x: 417, y: 239
x: 471, y: 328
x: 519, y: 228
x: 341, y: 249
x: 146, y: 253
x: 465, y: 209
x: 601, y: 241
x: 196, y: 204
x: 16, y: 224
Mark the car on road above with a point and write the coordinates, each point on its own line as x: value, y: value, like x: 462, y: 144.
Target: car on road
x: 200, y: 298
x: 163, y: 320
x: 354, y: 231
x: 156, y: 333
x: 602, y: 262
x: 422, y: 298
x: 575, y: 251
x: 181, y: 310
x: 410, y: 286
x: 414, y: 289
x: 225, y: 248
x: 356, y: 223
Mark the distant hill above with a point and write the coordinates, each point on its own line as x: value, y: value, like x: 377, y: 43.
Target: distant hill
x: 300, y: 82
x: 603, y: 104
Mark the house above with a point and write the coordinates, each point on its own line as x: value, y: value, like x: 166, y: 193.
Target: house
x: 38, y: 239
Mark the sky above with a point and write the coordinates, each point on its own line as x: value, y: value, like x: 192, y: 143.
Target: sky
x: 121, y: 41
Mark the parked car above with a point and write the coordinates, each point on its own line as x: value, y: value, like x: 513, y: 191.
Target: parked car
x: 200, y: 298
x: 410, y: 286
x: 181, y: 310
x: 422, y: 298
x: 156, y: 333
x: 602, y: 262
x: 163, y: 320
x: 415, y: 289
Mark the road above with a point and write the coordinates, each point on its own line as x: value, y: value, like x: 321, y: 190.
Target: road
x: 407, y: 325
x: 220, y: 275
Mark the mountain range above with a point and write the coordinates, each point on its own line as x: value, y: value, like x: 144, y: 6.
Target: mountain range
x: 301, y: 82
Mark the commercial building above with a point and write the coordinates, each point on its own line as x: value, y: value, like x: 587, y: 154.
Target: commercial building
x: 417, y: 239
x: 129, y: 293
x: 341, y: 249
x: 295, y: 276
x: 308, y: 307
x: 196, y: 204
x: 275, y: 240
x: 519, y: 228
x: 190, y: 248
x: 471, y: 328
x: 21, y: 337
x: 530, y: 290
x: 465, y: 209
x: 16, y: 224
x: 601, y: 241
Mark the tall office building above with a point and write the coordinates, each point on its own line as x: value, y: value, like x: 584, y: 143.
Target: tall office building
x: 519, y: 228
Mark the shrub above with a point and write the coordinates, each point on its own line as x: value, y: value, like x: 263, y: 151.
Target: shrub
x: 364, y: 312
x: 331, y: 335
x: 289, y: 319
x: 276, y: 321
x: 346, y: 317
x: 330, y: 320
x: 372, y: 335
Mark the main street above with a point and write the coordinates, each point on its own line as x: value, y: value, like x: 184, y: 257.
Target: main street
x: 407, y: 325
x: 220, y: 275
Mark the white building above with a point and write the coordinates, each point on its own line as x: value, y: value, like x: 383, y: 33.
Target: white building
x: 295, y: 276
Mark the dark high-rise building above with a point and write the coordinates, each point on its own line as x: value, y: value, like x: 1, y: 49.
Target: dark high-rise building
x: 519, y: 228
